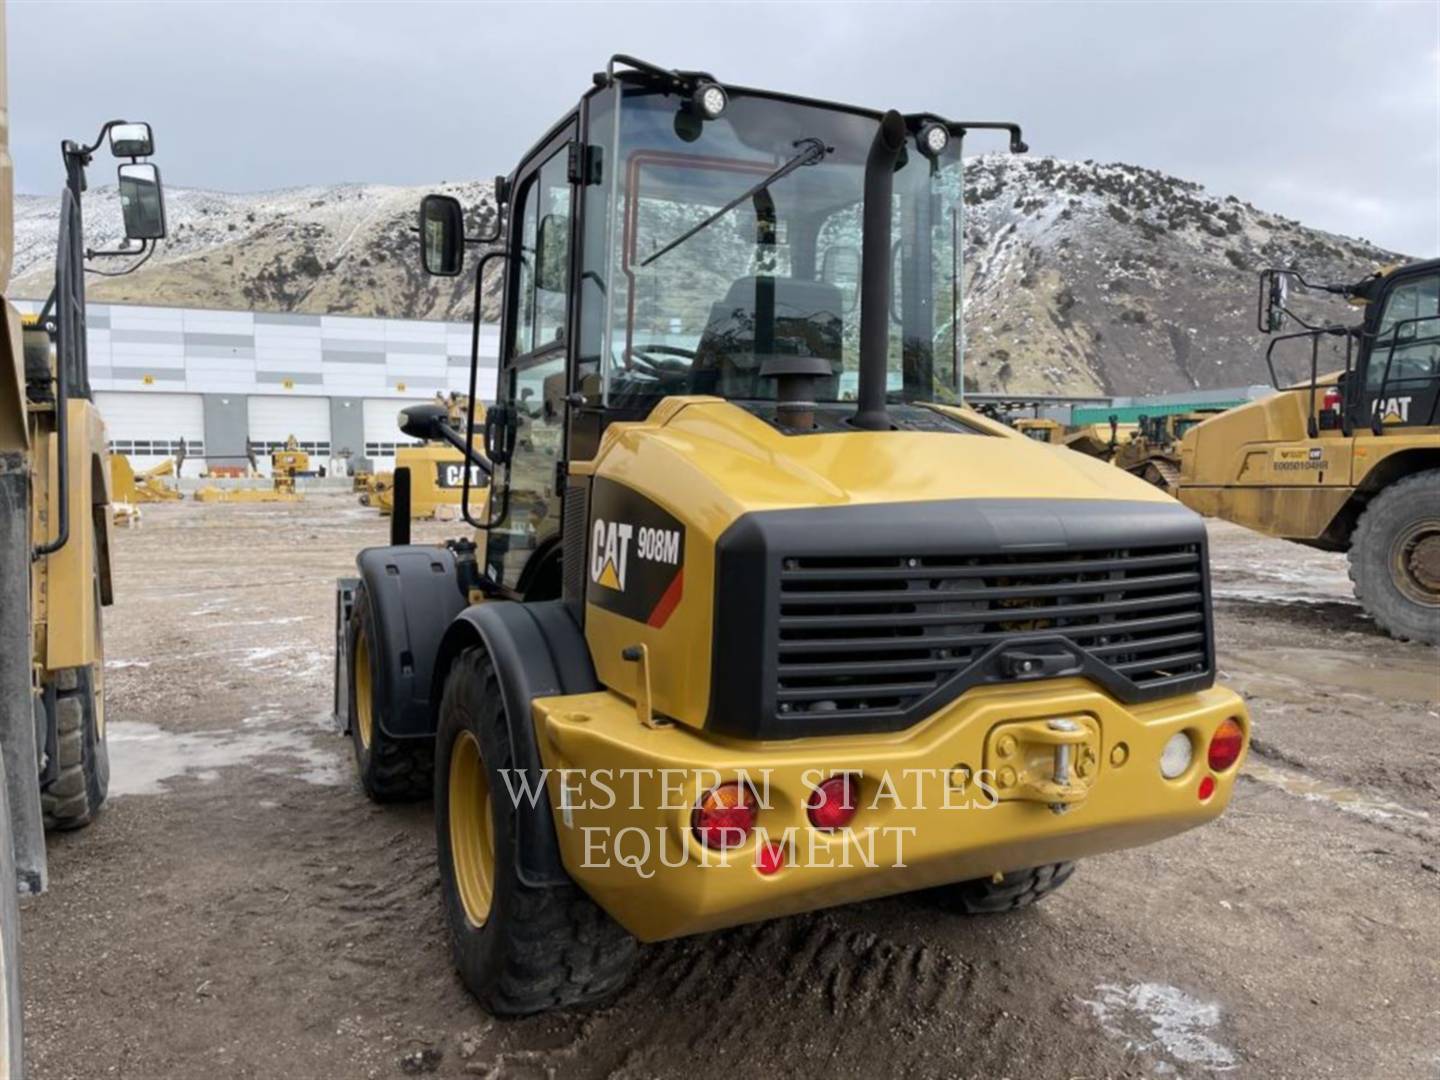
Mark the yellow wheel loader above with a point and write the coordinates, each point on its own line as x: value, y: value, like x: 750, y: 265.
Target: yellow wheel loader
x: 437, y: 473
x: 820, y: 633
x: 54, y: 542
x: 1345, y: 461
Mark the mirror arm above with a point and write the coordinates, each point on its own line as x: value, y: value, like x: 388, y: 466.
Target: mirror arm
x: 147, y: 248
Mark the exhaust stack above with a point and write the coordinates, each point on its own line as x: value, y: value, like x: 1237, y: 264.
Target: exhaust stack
x: 870, y: 415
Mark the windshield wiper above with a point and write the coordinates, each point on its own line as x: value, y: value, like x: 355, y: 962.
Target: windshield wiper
x: 811, y: 152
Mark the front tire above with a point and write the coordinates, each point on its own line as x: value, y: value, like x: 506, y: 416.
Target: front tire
x: 519, y: 949
x: 390, y: 769
x: 1395, y: 558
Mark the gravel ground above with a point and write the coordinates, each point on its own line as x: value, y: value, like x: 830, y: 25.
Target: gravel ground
x: 240, y: 909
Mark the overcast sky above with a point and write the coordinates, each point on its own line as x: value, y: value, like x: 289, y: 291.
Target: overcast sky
x: 1325, y: 112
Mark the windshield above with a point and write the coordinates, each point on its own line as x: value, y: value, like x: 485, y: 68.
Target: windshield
x: 776, y: 275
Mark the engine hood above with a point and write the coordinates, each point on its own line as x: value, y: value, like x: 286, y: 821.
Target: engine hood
x: 742, y: 464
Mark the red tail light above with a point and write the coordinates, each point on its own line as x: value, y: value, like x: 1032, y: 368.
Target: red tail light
x: 1331, y: 400
x: 1225, y: 744
x: 725, y: 816
x: 1207, y: 788
x: 832, y: 804
x: 770, y: 858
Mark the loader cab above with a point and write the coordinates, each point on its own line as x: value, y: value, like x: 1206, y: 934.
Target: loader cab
x: 671, y: 237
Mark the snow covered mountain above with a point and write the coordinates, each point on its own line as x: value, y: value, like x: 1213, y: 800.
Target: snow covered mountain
x: 1081, y: 278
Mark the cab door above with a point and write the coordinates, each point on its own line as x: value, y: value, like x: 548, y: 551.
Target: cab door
x: 534, y: 353
x: 1401, y: 376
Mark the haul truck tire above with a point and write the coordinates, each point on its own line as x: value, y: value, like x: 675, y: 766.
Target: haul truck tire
x: 1395, y: 558
x: 75, y: 796
x: 391, y: 770
x: 1016, y: 890
x: 520, y: 949
x: 12, y: 1004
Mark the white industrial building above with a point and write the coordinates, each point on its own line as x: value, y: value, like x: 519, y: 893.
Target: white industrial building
x: 228, y: 381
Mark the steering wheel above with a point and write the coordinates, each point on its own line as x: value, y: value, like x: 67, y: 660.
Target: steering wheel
x: 668, y: 363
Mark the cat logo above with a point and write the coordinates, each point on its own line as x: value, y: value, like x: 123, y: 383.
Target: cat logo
x: 1395, y: 410
x: 636, y: 557
x: 610, y: 553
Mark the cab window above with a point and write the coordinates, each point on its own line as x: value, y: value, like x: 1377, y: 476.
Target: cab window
x: 543, y: 271
x: 1411, y: 349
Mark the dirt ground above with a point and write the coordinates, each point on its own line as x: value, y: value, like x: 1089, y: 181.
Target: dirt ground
x: 241, y: 910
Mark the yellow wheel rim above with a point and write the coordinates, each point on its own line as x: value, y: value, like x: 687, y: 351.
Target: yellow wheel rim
x: 364, y: 697
x: 472, y: 829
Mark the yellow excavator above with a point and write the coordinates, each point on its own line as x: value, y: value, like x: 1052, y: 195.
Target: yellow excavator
x: 1347, y: 460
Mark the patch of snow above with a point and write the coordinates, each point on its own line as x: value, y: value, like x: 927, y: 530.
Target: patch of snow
x: 1162, y: 1019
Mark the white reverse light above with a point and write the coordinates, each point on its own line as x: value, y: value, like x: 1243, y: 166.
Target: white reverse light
x: 1176, y: 756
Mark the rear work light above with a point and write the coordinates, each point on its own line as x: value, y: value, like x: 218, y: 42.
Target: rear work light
x: 725, y: 816
x: 1225, y: 744
x: 832, y: 804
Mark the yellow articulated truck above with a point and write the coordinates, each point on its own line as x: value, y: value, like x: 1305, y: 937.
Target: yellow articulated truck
x: 1345, y: 461
x: 54, y: 543
x: 818, y: 646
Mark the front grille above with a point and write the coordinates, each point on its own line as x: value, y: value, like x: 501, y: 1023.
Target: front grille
x: 874, y: 635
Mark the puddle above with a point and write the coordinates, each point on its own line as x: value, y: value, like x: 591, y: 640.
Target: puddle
x: 1399, y: 678
x: 1164, y: 1021
x: 143, y: 755
x: 1322, y: 791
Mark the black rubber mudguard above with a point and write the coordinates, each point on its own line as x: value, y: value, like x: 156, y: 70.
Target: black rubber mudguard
x: 538, y: 651
x: 414, y: 594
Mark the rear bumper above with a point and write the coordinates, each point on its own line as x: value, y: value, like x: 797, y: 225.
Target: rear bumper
x: 622, y: 796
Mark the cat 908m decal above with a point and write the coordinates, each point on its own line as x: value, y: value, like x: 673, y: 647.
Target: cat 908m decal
x: 636, y: 555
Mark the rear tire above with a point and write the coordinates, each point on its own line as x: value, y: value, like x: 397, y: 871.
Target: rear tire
x: 1016, y: 890
x: 1395, y: 558
x: 519, y: 949
x: 391, y: 770
x: 12, y: 1002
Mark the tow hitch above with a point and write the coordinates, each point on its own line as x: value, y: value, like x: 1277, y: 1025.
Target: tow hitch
x: 1052, y: 762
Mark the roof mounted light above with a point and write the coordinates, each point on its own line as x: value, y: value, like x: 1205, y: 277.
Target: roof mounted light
x: 933, y: 138
x: 709, y: 99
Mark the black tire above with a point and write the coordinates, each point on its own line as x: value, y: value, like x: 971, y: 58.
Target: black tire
x: 12, y: 1002
x: 391, y: 770
x: 1016, y: 890
x: 75, y: 795
x: 1395, y: 558
x: 534, y: 949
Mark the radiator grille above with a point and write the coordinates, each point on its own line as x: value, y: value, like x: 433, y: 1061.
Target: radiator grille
x: 867, y: 635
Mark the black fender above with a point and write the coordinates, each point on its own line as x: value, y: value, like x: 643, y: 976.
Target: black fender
x: 538, y: 651
x: 414, y: 593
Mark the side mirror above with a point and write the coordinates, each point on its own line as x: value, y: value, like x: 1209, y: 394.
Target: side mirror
x: 1274, y: 292
x: 142, y: 202
x: 425, y: 422
x: 442, y: 235
x: 131, y: 140
x: 552, y: 262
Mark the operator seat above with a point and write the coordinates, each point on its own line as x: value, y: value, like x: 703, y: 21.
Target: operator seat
x: 737, y: 355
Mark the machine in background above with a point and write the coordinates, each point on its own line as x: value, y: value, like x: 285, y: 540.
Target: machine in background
x: 1345, y: 461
